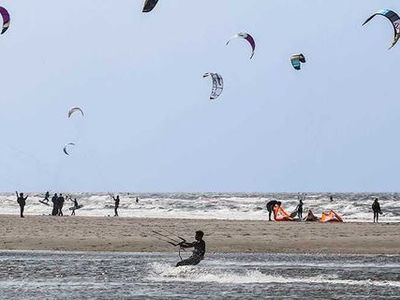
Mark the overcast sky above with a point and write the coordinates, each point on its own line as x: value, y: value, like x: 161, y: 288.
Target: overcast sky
x: 149, y: 124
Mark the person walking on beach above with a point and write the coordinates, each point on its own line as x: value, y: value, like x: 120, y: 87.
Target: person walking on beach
x: 60, y: 205
x: 199, y: 251
x: 376, y: 209
x: 22, y: 202
x: 270, y: 206
x: 299, y: 209
x: 46, y: 197
x: 116, y: 205
x: 75, y: 206
x: 54, y: 199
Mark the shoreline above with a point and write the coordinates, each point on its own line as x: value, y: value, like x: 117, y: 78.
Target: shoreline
x: 111, y: 234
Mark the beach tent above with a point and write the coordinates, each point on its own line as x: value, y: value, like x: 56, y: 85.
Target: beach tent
x: 281, y: 215
x: 330, y: 216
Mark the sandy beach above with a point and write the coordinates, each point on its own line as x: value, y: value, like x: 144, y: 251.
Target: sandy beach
x: 135, y: 235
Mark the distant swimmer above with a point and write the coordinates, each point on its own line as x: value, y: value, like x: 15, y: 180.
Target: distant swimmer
x: 270, y: 207
x: 198, y: 253
x: 54, y: 199
x: 376, y: 209
x: 116, y: 205
x: 299, y: 209
x: 22, y: 202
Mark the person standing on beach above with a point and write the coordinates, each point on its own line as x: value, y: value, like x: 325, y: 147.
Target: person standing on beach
x: 270, y: 206
x: 22, y: 202
x: 299, y: 209
x: 75, y: 206
x: 116, y: 205
x: 198, y: 253
x: 376, y: 209
x: 54, y: 199
x: 60, y: 201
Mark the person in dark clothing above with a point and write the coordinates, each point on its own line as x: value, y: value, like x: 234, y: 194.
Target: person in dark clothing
x: 299, y: 209
x: 46, y: 197
x: 270, y: 207
x: 331, y: 198
x: 60, y: 205
x: 137, y: 199
x: 54, y: 199
x: 75, y: 206
x: 376, y: 209
x: 116, y: 200
x: 22, y: 202
x: 198, y: 253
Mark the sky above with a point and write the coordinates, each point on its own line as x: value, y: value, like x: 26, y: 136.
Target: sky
x: 149, y: 125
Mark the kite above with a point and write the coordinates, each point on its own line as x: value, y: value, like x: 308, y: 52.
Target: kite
x: 393, y: 18
x: 296, y: 60
x: 149, y: 5
x: 75, y: 109
x: 248, y: 38
x: 217, y: 85
x: 66, y: 146
x: 6, y: 19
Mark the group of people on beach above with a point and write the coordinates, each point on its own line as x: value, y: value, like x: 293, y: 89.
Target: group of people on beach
x: 376, y: 208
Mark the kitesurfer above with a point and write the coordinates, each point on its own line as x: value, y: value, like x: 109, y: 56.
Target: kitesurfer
x: 137, y: 199
x: 75, y: 206
x: 299, y: 209
x: 54, y: 199
x: 60, y: 205
x: 46, y: 197
x: 198, y: 253
x: 116, y: 200
x: 22, y: 202
x: 270, y: 207
x: 376, y: 209
x: 331, y: 198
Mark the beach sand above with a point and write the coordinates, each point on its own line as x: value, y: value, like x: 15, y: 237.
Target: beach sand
x: 135, y: 235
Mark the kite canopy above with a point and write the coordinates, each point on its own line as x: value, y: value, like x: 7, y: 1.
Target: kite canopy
x: 296, y: 60
x: 393, y: 18
x: 75, y: 109
x: 330, y: 216
x: 281, y: 215
x: 248, y: 38
x: 66, y: 148
x: 217, y: 85
x: 6, y: 19
x: 149, y: 5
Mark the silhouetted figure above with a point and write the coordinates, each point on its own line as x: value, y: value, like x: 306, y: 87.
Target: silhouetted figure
x: 270, y: 207
x: 22, y: 202
x: 116, y: 205
x: 54, y: 199
x: 198, y: 253
x: 46, y: 197
x: 75, y: 207
x: 299, y: 209
x: 377, y: 210
x: 60, y: 201
x: 137, y: 199
x: 331, y: 198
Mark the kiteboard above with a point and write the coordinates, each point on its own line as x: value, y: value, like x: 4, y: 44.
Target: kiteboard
x: 44, y: 202
x: 75, y: 207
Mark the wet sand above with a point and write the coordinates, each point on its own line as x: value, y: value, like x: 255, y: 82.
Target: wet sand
x: 135, y: 235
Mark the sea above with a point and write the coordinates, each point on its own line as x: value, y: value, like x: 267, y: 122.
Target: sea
x: 353, y: 207
x: 89, y: 275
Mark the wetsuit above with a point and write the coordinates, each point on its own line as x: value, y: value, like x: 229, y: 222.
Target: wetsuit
x: 270, y: 207
x: 54, y: 199
x: 46, y: 197
x: 197, y: 256
x: 116, y: 206
x: 300, y: 210
x: 22, y: 202
x: 75, y: 207
x: 377, y: 210
x: 60, y: 201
